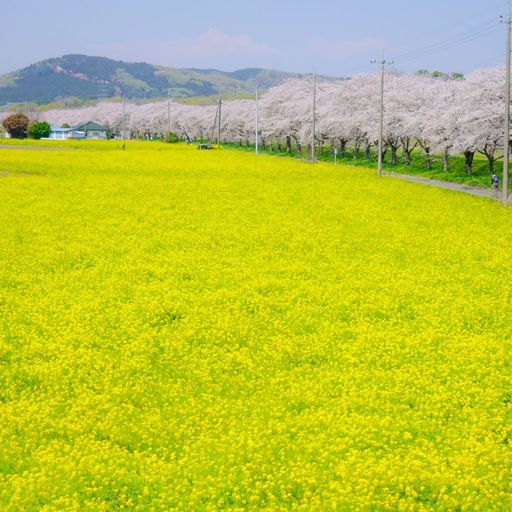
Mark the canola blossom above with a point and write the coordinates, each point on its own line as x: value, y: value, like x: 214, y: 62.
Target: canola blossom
x: 210, y: 330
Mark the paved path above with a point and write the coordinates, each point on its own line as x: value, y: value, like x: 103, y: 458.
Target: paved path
x: 468, y: 189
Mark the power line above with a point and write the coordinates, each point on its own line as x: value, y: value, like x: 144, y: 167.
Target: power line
x: 453, y: 42
x: 454, y: 24
x: 454, y: 38
x: 452, y: 46
x: 466, y: 36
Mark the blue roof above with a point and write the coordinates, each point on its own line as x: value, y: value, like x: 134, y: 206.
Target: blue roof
x: 56, y: 128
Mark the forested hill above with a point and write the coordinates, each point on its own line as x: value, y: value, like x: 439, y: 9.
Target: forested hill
x: 87, y: 77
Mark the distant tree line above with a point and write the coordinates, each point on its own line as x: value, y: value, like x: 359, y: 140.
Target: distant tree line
x: 425, y: 112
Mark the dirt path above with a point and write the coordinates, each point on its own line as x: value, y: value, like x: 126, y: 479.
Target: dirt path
x: 468, y: 189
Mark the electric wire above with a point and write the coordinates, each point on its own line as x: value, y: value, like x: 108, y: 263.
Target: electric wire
x: 462, y: 21
x: 451, y: 46
x: 481, y: 29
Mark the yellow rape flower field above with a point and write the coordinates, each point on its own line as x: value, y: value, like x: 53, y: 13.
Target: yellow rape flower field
x: 210, y: 330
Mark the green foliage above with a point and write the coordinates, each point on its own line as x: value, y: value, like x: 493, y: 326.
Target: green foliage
x: 16, y: 125
x: 83, y: 78
x: 440, y: 74
x: 171, y: 138
x: 455, y: 173
x: 39, y: 130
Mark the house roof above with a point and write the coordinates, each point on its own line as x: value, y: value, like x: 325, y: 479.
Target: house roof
x: 57, y: 128
x: 90, y: 126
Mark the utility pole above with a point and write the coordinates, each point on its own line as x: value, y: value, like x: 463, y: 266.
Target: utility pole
x: 212, y: 134
x: 219, y: 120
x: 382, y: 63
x: 124, y: 117
x: 313, y: 127
x: 506, y: 141
x: 169, y: 111
x: 256, y: 135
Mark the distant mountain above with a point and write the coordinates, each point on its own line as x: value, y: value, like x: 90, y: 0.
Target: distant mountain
x: 87, y: 77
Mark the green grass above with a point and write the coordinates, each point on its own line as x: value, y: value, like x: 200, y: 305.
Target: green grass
x: 479, y: 178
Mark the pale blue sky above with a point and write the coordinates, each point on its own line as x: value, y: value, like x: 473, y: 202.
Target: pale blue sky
x: 327, y: 36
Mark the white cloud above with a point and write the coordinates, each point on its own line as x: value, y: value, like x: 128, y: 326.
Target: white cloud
x: 348, y: 48
x: 210, y: 49
x: 214, y: 43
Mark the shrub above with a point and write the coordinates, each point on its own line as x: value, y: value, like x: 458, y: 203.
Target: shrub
x: 171, y: 138
x: 39, y: 130
x: 16, y: 125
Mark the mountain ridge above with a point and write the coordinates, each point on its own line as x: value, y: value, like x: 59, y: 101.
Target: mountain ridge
x: 91, y: 77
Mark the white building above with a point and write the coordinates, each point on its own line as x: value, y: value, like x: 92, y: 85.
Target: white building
x: 87, y: 130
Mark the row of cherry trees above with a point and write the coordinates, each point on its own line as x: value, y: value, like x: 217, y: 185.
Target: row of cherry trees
x: 435, y: 116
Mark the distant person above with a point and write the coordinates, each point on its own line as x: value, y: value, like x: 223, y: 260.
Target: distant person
x: 495, y: 182
x: 124, y: 146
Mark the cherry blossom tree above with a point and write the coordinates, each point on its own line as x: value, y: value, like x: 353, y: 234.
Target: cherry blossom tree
x: 439, y: 115
x: 481, y: 120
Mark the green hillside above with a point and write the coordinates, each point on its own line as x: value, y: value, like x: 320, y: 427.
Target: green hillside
x: 84, y: 77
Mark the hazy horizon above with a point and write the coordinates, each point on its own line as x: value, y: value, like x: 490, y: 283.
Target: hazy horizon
x: 333, y: 38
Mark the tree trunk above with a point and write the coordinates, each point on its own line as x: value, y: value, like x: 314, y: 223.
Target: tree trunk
x: 468, y: 161
x: 489, y: 153
x: 394, y: 156
x: 491, y: 164
x: 428, y: 159
x: 288, y: 144
x: 367, y: 148
x: 446, y: 157
x: 407, y: 149
x: 343, y: 147
x: 357, y: 149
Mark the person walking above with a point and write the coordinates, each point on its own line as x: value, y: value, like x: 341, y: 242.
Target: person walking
x: 495, y: 182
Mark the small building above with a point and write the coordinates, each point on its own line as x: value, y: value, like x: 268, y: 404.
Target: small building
x: 58, y: 133
x: 88, y: 130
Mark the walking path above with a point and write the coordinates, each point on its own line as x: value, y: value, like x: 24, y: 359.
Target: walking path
x: 468, y: 189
